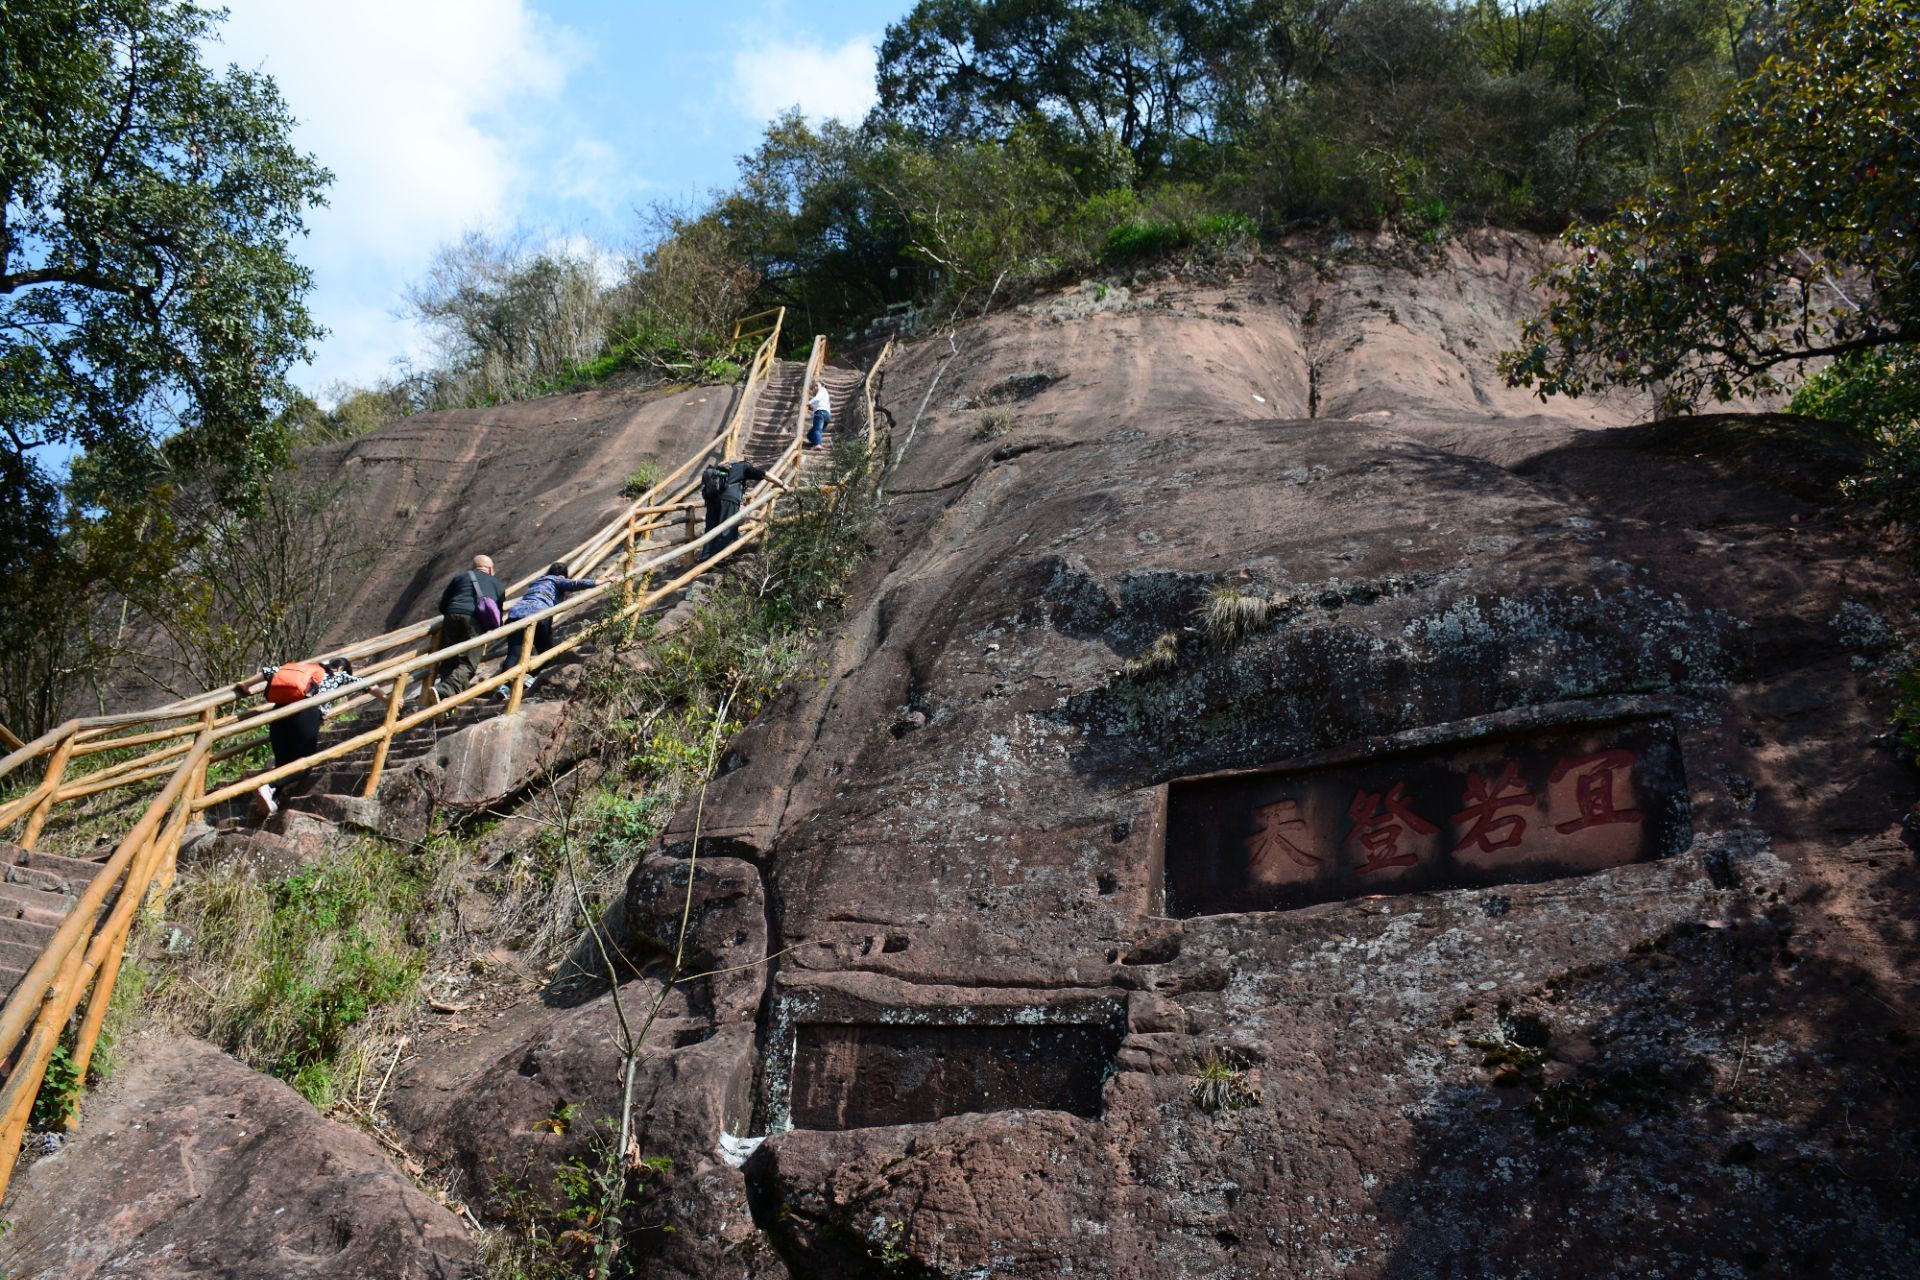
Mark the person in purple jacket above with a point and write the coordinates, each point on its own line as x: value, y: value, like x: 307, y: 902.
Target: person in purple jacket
x: 542, y: 594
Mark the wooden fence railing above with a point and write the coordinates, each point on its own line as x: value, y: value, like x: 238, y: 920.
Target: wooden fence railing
x: 640, y: 558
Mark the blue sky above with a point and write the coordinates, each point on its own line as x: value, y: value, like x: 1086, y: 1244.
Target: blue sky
x: 558, y: 117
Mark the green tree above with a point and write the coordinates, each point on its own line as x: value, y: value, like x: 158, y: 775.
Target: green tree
x: 149, y: 305
x: 1087, y: 70
x: 145, y: 283
x: 1792, y: 236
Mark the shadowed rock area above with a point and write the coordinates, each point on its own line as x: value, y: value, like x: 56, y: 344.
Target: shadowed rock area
x: 192, y: 1165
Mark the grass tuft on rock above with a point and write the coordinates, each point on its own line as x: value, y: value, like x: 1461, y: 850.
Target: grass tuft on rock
x: 290, y: 973
x: 1230, y: 615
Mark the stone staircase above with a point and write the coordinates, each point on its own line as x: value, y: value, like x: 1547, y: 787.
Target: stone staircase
x: 778, y: 411
x: 35, y: 895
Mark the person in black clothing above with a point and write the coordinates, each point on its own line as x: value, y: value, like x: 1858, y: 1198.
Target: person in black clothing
x: 724, y: 488
x: 460, y: 620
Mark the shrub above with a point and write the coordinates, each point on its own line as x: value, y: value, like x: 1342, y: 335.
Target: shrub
x: 284, y: 973
x: 1229, y: 615
x: 1144, y: 238
x: 1877, y: 393
x: 994, y: 423
x: 641, y: 479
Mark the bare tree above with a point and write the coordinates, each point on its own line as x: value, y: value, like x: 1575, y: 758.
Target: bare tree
x: 508, y: 317
x: 258, y: 587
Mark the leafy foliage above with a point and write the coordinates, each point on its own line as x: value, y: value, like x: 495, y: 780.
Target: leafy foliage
x: 1790, y: 236
x: 145, y: 283
x: 508, y: 318
x: 284, y: 972
x: 1877, y: 393
x: 149, y: 310
x: 59, y: 1095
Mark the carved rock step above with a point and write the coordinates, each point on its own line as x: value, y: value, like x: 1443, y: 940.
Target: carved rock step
x: 36, y: 906
x: 48, y: 871
x: 28, y: 918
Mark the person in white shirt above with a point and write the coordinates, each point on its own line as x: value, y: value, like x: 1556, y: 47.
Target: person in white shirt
x: 822, y: 414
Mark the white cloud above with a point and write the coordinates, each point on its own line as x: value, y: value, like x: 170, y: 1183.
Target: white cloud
x: 590, y: 171
x: 427, y: 112
x: 822, y: 82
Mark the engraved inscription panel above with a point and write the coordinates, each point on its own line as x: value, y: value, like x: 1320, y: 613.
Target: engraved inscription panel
x: 853, y: 1077
x: 1552, y: 803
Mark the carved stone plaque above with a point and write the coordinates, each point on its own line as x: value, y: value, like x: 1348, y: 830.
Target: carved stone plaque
x: 1538, y: 805
x: 854, y: 1077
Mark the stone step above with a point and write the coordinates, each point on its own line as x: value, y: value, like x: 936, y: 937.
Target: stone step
x: 75, y: 874
x: 15, y: 959
x: 37, y: 906
x: 25, y: 933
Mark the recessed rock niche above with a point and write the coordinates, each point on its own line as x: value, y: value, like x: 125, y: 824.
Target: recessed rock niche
x: 1485, y: 807
x: 856, y: 1077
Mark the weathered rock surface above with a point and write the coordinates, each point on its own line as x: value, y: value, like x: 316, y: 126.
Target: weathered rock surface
x: 1616, y: 1073
x: 189, y: 1164
x: 485, y: 763
x: 540, y: 1087
x: 954, y: 847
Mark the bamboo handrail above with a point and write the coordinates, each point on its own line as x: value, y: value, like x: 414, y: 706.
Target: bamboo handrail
x: 88, y: 944
x: 588, y: 554
x: 50, y: 990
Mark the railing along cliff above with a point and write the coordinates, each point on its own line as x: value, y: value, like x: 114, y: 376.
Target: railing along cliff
x: 641, y: 557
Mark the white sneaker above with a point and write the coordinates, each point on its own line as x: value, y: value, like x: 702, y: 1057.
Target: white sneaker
x: 527, y: 683
x: 263, y: 802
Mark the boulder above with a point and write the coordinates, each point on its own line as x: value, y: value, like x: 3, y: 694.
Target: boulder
x: 485, y: 763
x: 190, y: 1165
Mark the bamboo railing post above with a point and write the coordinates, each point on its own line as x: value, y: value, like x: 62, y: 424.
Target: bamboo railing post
x: 626, y: 572
x: 518, y: 684
x: 56, y: 767
x: 31, y: 1065
x: 395, y: 699
x: 165, y: 844
x: 692, y: 533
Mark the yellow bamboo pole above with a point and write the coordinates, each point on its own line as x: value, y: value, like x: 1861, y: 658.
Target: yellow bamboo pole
x: 518, y: 684
x: 93, y: 746
x: 626, y: 574
x: 119, y: 925
x: 395, y: 700
x: 10, y: 812
x: 37, y: 820
x: 30, y: 1068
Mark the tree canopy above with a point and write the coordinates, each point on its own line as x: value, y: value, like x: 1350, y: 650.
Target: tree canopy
x: 150, y: 307
x: 1793, y: 234
x: 146, y: 288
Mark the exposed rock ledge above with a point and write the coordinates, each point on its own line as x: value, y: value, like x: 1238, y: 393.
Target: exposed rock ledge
x: 189, y: 1164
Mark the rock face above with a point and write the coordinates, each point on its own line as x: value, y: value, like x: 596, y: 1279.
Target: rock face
x: 521, y: 482
x: 189, y: 1164
x: 540, y: 1089
x: 1293, y: 533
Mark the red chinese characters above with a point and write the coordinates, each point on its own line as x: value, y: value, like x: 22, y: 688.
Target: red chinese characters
x: 1271, y: 838
x: 1379, y: 821
x: 1485, y: 825
x: 1593, y: 778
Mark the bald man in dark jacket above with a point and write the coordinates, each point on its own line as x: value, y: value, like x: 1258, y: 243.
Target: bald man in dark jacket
x: 460, y: 620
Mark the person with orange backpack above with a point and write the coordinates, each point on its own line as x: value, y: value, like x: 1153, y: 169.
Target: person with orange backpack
x: 297, y: 736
